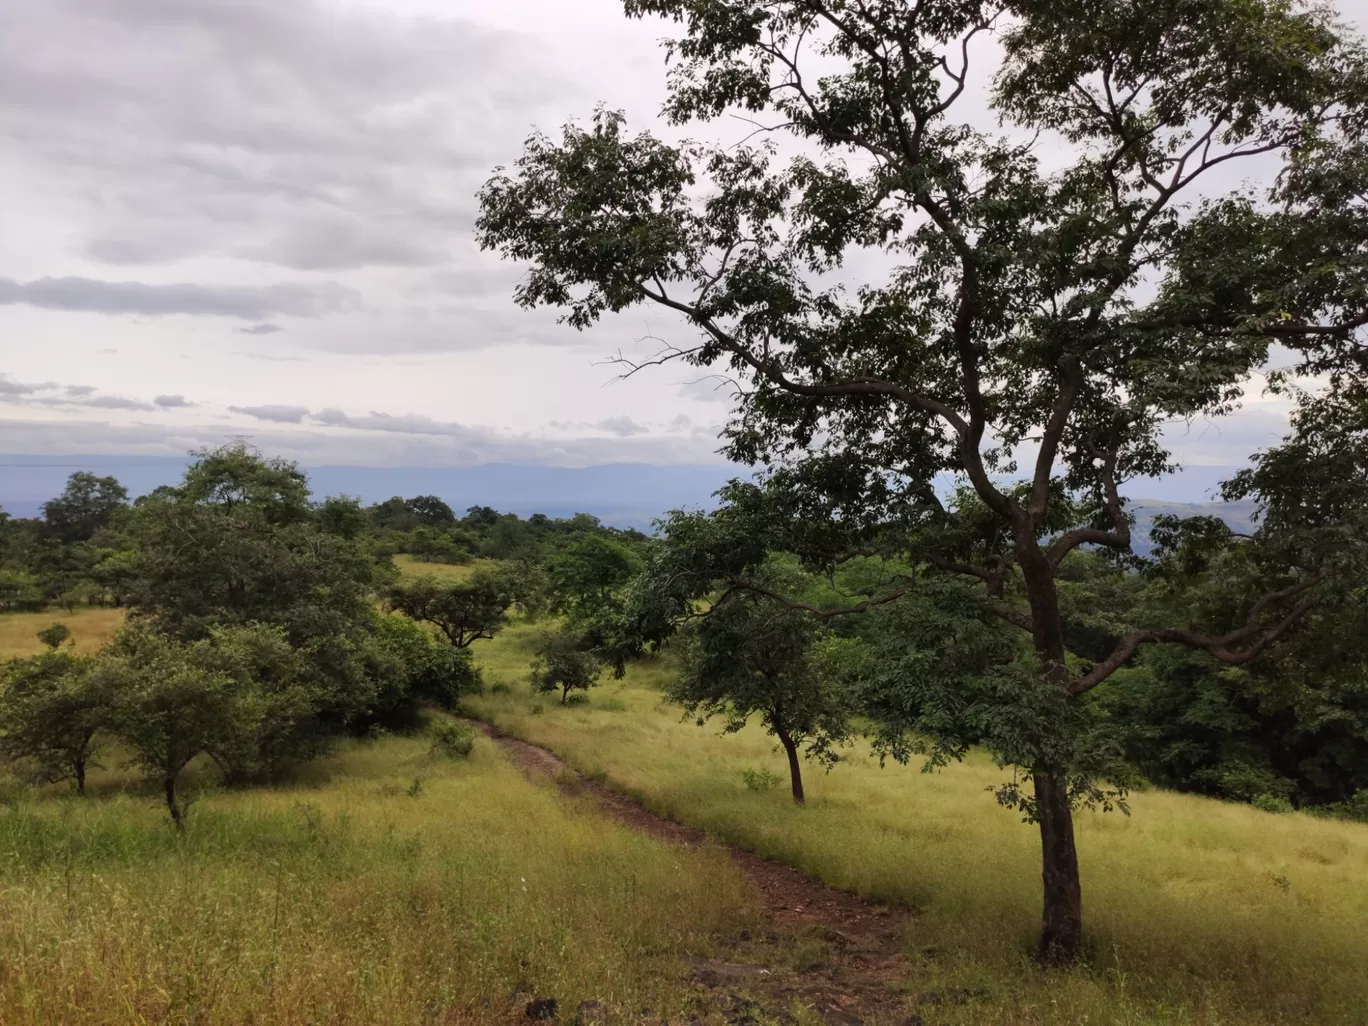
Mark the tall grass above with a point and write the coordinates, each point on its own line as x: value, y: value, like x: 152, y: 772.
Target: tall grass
x: 1198, y: 911
x: 353, y: 897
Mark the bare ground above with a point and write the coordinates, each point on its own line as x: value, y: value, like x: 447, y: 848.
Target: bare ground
x: 825, y: 949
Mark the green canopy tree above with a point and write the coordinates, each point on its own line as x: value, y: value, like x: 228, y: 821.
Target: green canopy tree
x: 1037, y: 318
x: 88, y: 504
x: 464, y: 611
x: 560, y: 664
x: 753, y: 656
x: 53, y: 710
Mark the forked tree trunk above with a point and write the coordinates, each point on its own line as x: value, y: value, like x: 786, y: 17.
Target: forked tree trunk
x: 795, y: 767
x: 1061, y: 932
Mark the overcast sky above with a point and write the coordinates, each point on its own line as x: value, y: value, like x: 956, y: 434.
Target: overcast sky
x: 255, y: 216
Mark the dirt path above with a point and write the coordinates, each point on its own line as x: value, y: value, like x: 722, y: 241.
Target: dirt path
x: 837, y: 953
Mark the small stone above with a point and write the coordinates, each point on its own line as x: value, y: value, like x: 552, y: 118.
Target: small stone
x: 590, y: 1013
x: 541, y: 1008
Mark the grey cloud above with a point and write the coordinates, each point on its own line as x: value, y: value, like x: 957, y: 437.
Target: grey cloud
x: 276, y: 414
x: 330, y: 447
x: 80, y: 390
x: 623, y: 427
x: 260, y: 329
x: 272, y: 357
x: 172, y: 402
x: 409, y: 424
x: 114, y: 402
x: 244, y: 128
x: 10, y: 387
x: 334, y: 243
x: 251, y: 303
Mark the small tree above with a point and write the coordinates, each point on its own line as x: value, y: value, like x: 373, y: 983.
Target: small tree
x: 55, y: 636
x: 174, y: 701
x: 465, y: 611
x: 750, y: 655
x: 52, y: 712
x: 561, y: 666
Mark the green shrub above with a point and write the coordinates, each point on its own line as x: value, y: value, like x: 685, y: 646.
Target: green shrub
x: 758, y: 779
x: 1271, y: 803
x: 453, y: 741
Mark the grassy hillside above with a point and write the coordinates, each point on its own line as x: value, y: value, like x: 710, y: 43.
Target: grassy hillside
x: 1199, y: 911
x: 345, y: 899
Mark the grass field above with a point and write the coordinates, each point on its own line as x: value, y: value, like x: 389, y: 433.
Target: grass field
x: 90, y: 628
x: 1198, y: 911
x: 346, y: 899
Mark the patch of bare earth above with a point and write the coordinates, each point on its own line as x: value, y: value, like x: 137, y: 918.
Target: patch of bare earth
x: 822, y: 948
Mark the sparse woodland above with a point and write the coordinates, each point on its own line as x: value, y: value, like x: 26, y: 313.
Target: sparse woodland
x: 927, y: 566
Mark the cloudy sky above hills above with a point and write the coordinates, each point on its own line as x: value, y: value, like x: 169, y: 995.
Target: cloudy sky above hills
x: 253, y: 217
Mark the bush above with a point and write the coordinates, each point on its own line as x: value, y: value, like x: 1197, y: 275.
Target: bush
x: 1271, y: 803
x: 758, y: 780
x: 453, y: 741
x: 54, y: 636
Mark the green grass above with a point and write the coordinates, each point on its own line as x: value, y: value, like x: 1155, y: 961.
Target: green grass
x: 1197, y: 911
x: 90, y: 628
x: 344, y: 899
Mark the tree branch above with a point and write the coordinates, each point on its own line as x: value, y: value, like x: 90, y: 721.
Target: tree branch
x: 1219, y: 646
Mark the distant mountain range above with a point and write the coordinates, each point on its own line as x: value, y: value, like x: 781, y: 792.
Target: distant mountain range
x: 620, y: 494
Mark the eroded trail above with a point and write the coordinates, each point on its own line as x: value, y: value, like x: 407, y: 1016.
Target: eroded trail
x: 837, y: 953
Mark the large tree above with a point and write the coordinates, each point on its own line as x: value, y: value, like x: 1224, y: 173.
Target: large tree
x: 1061, y: 278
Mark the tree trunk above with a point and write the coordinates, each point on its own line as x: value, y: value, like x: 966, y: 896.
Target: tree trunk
x: 79, y: 767
x: 795, y: 768
x: 177, y: 817
x: 1061, y: 932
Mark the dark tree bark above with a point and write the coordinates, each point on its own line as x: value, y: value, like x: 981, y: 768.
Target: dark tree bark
x: 1061, y: 932
x: 177, y: 816
x: 795, y: 767
x: 80, y: 767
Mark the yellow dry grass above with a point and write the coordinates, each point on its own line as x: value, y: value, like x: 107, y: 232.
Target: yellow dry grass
x: 90, y: 628
x: 354, y: 897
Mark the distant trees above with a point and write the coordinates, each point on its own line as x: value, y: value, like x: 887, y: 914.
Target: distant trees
x: 88, y: 504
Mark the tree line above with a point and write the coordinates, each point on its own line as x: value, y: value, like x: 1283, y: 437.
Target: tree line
x: 263, y: 625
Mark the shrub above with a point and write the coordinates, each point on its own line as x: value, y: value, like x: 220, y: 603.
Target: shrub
x: 453, y: 741
x: 55, y: 636
x: 758, y: 779
x: 1271, y: 803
